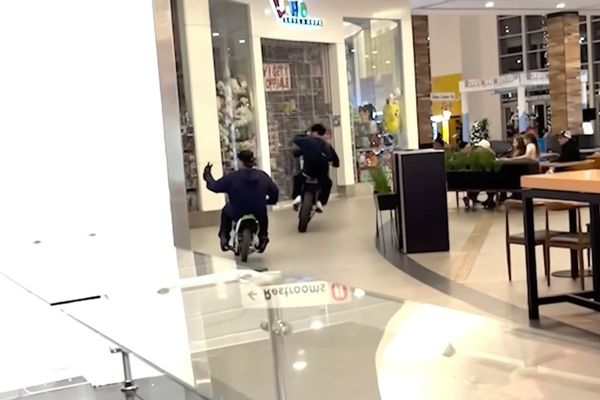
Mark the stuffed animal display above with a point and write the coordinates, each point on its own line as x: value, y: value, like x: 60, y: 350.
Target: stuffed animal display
x: 234, y: 108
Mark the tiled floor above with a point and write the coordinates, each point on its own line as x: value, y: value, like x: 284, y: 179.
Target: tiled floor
x: 340, y: 246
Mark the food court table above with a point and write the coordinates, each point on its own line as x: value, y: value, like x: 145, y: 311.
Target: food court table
x: 581, y: 186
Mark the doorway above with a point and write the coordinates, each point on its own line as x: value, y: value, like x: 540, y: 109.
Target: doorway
x: 298, y: 94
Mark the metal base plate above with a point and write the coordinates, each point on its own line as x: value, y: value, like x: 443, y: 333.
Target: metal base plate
x: 567, y: 274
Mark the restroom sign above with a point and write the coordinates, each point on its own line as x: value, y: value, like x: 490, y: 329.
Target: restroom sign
x: 294, y: 12
x: 293, y: 295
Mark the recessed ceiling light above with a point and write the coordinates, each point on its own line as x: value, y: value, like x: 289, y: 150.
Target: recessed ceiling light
x: 374, y: 52
x: 316, y: 325
x: 388, y: 62
x: 242, y: 41
x: 216, y: 34
x: 489, y: 4
x: 561, y: 5
x: 374, y: 67
x: 353, y: 51
x: 299, y: 365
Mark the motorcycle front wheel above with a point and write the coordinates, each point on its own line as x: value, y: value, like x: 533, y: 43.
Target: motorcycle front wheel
x: 305, y: 211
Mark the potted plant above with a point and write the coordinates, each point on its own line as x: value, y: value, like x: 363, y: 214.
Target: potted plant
x: 385, y: 198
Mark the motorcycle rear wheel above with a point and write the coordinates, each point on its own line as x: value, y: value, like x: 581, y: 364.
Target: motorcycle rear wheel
x: 245, y: 244
x: 305, y: 211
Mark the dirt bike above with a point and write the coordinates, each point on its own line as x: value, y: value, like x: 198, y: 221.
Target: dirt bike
x: 245, y: 238
x: 307, y: 208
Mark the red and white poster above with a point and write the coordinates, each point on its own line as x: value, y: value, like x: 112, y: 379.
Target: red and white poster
x: 277, y: 77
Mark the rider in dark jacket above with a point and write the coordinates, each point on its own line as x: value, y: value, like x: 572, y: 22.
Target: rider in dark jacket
x: 249, y: 191
x: 317, y: 155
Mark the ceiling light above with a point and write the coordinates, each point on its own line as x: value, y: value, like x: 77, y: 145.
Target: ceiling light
x: 561, y: 5
x: 352, y: 50
x: 388, y: 62
x: 489, y: 4
x: 374, y: 67
x: 366, y: 56
x: 316, y: 325
x: 519, y: 61
x: 216, y: 34
x: 374, y: 52
x: 428, y: 38
x: 299, y: 365
x: 242, y: 41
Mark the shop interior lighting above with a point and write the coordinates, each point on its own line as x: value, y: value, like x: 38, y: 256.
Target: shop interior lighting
x: 519, y: 61
x: 561, y: 5
x: 242, y: 41
x: 374, y: 52
x: 352, y: 50
x: 388, y: 62
x: 489, y: 4
x: 216, y: 34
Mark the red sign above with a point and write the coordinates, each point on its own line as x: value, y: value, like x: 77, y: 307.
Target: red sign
x: 339, y: 292
x: 277, y: 77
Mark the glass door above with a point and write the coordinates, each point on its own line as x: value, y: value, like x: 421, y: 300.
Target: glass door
x: 298, y: 94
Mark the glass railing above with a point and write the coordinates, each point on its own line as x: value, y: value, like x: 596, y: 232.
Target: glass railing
x: 45, y: 354
x: 245, y: 335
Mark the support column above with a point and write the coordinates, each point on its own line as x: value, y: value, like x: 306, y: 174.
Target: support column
x: 522, y: 108
x: 564, y: 71
x: 420, y: 25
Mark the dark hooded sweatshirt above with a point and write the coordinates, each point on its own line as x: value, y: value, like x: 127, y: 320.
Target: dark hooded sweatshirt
x: 247, y: 190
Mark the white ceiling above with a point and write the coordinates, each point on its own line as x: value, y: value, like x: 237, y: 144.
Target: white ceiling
x: 505, y: 6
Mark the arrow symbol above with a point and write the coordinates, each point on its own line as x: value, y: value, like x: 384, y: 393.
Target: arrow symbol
x: 252, y: 294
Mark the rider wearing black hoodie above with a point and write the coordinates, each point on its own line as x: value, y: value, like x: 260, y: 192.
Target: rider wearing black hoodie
x: 249, y: 191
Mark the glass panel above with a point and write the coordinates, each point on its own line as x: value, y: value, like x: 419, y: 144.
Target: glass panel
x: 596, y: 51
x: 536, y: 41
x: 536, y: 23
x: 511, y: 64
x: 511, y: 45
x: 298, y: 95
x: 233, y: 73
x: 48, y: 355
x: 374, y: 61
x: 584, y: 53
x: 509, y: 26
x: 538, y: 60
x: 268, y: 336
x: 596, y: 30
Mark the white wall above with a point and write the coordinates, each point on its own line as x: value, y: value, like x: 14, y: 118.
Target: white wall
x: 445, y: 44
x: 468, y: 44
x: 480, y: 60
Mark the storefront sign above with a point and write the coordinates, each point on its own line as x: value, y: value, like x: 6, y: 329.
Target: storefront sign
x: 294, y: 12
x: 277, y: 77
x: 443, y: 97
x: 300, y: 294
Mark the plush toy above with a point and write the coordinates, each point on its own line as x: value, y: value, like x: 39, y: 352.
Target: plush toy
x: 236, y: 89
x: 391, y: 116
x: 220, y: 88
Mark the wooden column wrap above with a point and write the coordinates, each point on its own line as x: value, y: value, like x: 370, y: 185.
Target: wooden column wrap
x: 565, y: 71
x: 420, y: 24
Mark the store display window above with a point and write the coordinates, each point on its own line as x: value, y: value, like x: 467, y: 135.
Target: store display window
x: 230, y: 25
x: 374, y: 59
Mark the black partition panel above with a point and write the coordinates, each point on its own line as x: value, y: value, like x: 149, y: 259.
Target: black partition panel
x: 420, y: 181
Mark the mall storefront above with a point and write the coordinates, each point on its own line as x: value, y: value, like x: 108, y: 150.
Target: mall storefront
x: 254, y: 73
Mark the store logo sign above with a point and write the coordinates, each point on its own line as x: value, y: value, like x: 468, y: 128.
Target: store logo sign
x: 294, y: 12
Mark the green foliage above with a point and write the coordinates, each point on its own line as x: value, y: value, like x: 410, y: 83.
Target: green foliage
x: 380, y: 180
x: 476, y: 160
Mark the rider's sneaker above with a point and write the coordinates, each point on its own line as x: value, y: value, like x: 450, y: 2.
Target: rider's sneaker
x: 262, y: 244
x: 319, y: 207
x: 224, y: 243
x: 297, y: 202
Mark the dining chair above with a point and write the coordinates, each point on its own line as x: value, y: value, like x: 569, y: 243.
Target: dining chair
x: 578, y: 241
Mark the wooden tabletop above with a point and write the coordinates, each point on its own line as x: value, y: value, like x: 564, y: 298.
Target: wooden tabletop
x: 587, y: 181
x: 545, y: 165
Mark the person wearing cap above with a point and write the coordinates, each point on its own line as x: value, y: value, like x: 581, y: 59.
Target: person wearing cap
x: 249, y: 191
x: 569, y: 150
x: 317, y: 155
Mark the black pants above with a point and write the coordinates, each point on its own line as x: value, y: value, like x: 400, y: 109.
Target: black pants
x: 325, y: 184
x: 227, y: 221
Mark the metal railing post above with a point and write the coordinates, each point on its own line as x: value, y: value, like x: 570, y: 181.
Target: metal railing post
x: 128, y: 383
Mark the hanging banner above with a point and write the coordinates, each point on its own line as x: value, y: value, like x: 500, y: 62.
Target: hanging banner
x: 277, y: 77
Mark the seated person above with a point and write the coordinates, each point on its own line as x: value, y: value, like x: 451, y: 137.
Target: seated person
x: 249, y: 190
x: 569, y: 149
x: 317, y: 155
